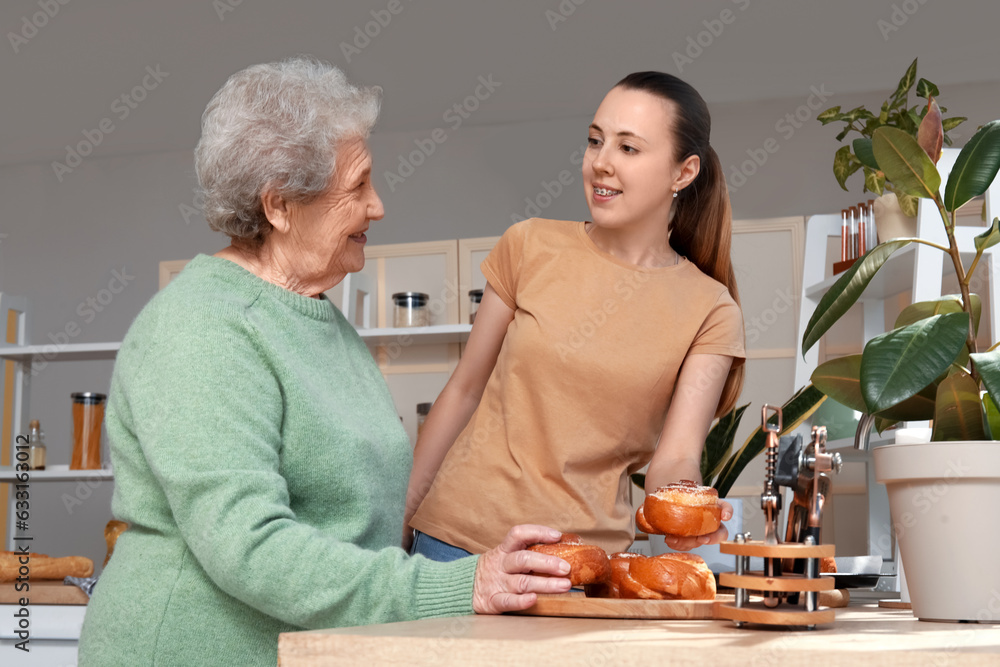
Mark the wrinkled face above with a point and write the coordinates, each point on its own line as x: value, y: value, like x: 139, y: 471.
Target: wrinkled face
x: 629, y: 169
x: 330, y: 231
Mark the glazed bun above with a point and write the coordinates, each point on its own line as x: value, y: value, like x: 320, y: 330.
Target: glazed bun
x: 672, y: 576
x: 588, y: 563
x: 682, y: 508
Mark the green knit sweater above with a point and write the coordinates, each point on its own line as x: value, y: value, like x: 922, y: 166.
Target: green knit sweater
x: 262, y: 468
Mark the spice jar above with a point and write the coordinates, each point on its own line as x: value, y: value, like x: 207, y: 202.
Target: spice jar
x: 88, y: 416
x: 475, y: 297
x: 36, y: 448
x: 423, y: 409
x: 410, y: 309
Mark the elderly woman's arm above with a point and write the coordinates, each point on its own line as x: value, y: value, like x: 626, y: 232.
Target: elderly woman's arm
x: 212, y: 418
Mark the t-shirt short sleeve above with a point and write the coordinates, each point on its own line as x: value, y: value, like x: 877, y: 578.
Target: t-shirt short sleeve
x: 722, y: 331
x: 502, y: 266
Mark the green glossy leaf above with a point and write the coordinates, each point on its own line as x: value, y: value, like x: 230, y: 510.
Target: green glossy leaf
x: 863, y: 151
x: 907, y: 204
x: 881, y: 424
x: 990, y: 237
x: 719, y: 444
x: 831, y: 115
x: 846, y: 291
x: 898, y: 364
x: 953, y: 122
x: 959, y: 412
x: 950, y: 303
x: 840, y: 379
x: 988, y: 367
x: 795, y: 411
x: 926, y: 89
x: 975, y: 168
x: 905, y: 163
x: 903, y: 88
x: 992, y: 416
x: 844, y: 164
x: 874, y: 181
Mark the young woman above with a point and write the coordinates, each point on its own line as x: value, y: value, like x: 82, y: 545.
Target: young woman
x: 598, y: 347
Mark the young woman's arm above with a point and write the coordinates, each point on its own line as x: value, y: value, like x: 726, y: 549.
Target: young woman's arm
x: 458, y: 400
x: 678, y: 453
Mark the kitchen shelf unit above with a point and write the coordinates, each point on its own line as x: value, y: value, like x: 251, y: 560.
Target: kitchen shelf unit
x: 917, y: 270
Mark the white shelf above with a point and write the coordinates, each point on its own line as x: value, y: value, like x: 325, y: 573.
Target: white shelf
x: 75, y: 352
x: 442, y: 333
x: 59, y: 473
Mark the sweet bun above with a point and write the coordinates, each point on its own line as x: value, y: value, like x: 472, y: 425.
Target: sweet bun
x: 641, y: 523
x: 683, y: 508
x: 672, y: 576
x: 618, y: 572
x: 588, y: 563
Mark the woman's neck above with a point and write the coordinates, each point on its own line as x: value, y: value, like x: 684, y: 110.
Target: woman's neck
x: 268, y: 263
x: 646, y: 248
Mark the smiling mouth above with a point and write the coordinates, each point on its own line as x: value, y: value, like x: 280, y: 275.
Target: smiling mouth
x: 605, y: 193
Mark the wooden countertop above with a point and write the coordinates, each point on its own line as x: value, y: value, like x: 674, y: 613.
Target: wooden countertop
x: 861, y: 635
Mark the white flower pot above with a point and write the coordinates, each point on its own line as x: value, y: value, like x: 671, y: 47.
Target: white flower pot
x: 890, y: 221
x: 943, y: 497
x: 716, y: 560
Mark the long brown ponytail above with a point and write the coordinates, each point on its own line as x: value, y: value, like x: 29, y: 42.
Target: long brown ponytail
x: 702, y: 226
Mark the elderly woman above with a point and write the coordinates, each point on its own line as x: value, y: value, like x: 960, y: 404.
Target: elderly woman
x: 258, y: 456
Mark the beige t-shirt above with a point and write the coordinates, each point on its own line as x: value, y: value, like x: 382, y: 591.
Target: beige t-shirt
x: 580, y: 390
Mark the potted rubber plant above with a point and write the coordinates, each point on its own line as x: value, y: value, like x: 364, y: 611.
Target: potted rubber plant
x: 928, y: 367
x: 895, y: 208
x: 721, y: 465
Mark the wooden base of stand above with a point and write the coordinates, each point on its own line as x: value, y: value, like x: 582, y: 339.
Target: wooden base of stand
x: 782, y: 614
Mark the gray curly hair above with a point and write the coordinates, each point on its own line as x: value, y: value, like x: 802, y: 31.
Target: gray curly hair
x: 276, y: 126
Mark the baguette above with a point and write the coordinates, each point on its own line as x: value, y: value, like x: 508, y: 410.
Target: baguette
x: 41, y: 566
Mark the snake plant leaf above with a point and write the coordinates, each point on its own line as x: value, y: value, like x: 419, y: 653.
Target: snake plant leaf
x: 988, y: 366
x: 959, y: 412
x: 795, y: 411
x: 846, y: 291
x: 874, y: 181
x: 927, y: 89
x: 990, y: 237
x: 719, y: 444
x: 950, y: 303
x: 898, y: 364
x: 840, y: 379
x: 907, y: 204
x: 844, y: 164
x: 992, y: 417
x: 905, y: 163
x: 863, y: 151
x: 975, y: 168
x: 905, y: 83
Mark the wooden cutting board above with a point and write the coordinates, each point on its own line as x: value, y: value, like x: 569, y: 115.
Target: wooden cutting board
x: 578, y: 605
x: 43, y: 592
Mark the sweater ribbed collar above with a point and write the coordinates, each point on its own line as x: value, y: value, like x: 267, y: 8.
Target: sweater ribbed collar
x: 253, y: 286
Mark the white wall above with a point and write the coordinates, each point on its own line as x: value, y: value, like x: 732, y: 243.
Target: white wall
x: 64, y: 240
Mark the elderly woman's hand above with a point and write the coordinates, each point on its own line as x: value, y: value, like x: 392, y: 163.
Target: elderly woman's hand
x: 504, y: 579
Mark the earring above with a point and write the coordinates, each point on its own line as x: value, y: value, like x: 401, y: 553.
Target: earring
x: 675, y: 194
